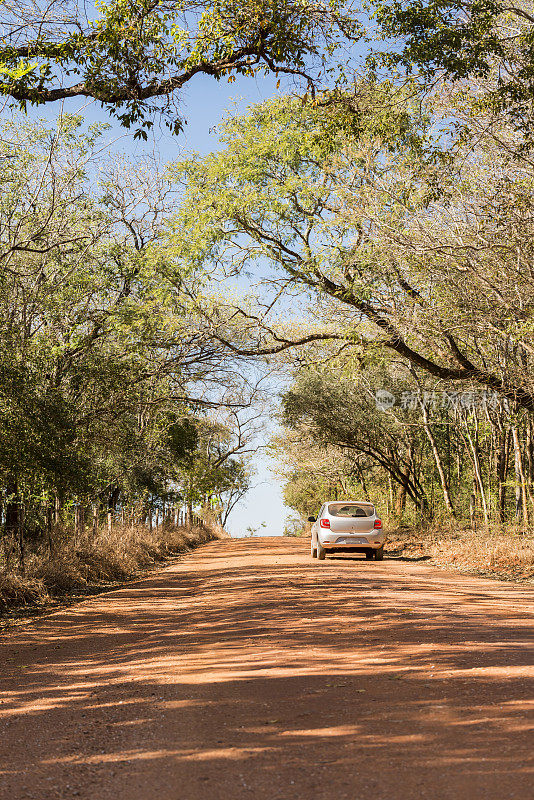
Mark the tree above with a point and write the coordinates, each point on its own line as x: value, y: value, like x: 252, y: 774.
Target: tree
x: 313, y: 470
x: 462, y: 42
x: 353, y: 205
x: 401, y: 247
x: 449, y: 452
x: 135, y: 54
x: 333, y: 411
x: 105, y: 374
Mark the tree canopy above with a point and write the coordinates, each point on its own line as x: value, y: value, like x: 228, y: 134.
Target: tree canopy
x: 134, y: 55
x: 464, y: 42
x: 109, y: 385
x: 354, y: 204
x: 375, y: 230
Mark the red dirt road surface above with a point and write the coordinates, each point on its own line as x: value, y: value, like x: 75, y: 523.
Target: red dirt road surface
x: 248, y: 671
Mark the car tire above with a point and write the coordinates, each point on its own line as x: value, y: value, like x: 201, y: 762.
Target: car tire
x: 379, y: 554
x: 313, y: 550
x: 321, y: 552
x: 369, y: 555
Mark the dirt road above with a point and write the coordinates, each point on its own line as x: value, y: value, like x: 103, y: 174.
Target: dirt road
x: 249, y: 671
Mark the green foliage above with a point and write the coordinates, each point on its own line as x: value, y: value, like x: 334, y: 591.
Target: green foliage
x: 137, y: 51
x: 351, y: 203
x: 99, y: 351
x: 484, y: 41
x: 273, y: 191
x: 337, y: 443
x: 306, y: 492
x: 335, y: 411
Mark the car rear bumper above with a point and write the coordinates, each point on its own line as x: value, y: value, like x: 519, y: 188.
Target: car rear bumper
x: 358, y: 541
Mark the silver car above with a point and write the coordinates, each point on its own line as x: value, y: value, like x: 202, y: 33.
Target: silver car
x: 347, y: 526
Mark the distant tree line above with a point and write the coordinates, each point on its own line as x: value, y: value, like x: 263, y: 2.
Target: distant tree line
x: 434, y: 453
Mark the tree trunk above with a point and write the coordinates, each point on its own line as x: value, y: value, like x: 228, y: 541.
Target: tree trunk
x: 521, y: 489
x: 20, y: 538
x: 390, y: 497
x: 361, y: 478
x: 113, y: 498
x: 57, y: 511
x: 400, y: 501
x: 502, y: 464
x: 530, y: 465
x: 437, y: 459
x: 478, y: 473
x: 530, y: 452
x: 12, y: 507
x: 50, y: 527
x: 403, y: 491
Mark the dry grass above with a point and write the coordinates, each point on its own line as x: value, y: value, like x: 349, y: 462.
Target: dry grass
x: 498, y: 552
x: 78, y: 566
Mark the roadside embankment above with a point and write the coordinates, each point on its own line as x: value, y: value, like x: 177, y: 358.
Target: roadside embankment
x: 93, y: 562
x: 495, y: 552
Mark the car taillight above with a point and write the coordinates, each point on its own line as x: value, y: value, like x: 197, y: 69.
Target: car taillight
x: 378, y: 523
x: 324, y: 523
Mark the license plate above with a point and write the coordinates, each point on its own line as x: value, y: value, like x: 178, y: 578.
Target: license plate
x: 352, y: 540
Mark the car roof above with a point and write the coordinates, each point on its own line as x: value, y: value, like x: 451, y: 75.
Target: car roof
x: 362, y: 502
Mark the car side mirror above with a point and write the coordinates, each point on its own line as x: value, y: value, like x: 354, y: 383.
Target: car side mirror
x: 312, y: 519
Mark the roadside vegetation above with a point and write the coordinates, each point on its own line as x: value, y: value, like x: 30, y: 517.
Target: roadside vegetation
x: 115, y: 410
x: 96, y: 561
x: 415, y: 262
x: 500, y: 552
x: 366, y: 239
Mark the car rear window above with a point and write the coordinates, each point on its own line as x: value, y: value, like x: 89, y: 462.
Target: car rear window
x: 350, y: 510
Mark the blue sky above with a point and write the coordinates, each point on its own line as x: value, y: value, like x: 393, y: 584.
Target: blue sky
x: 204, y: 109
